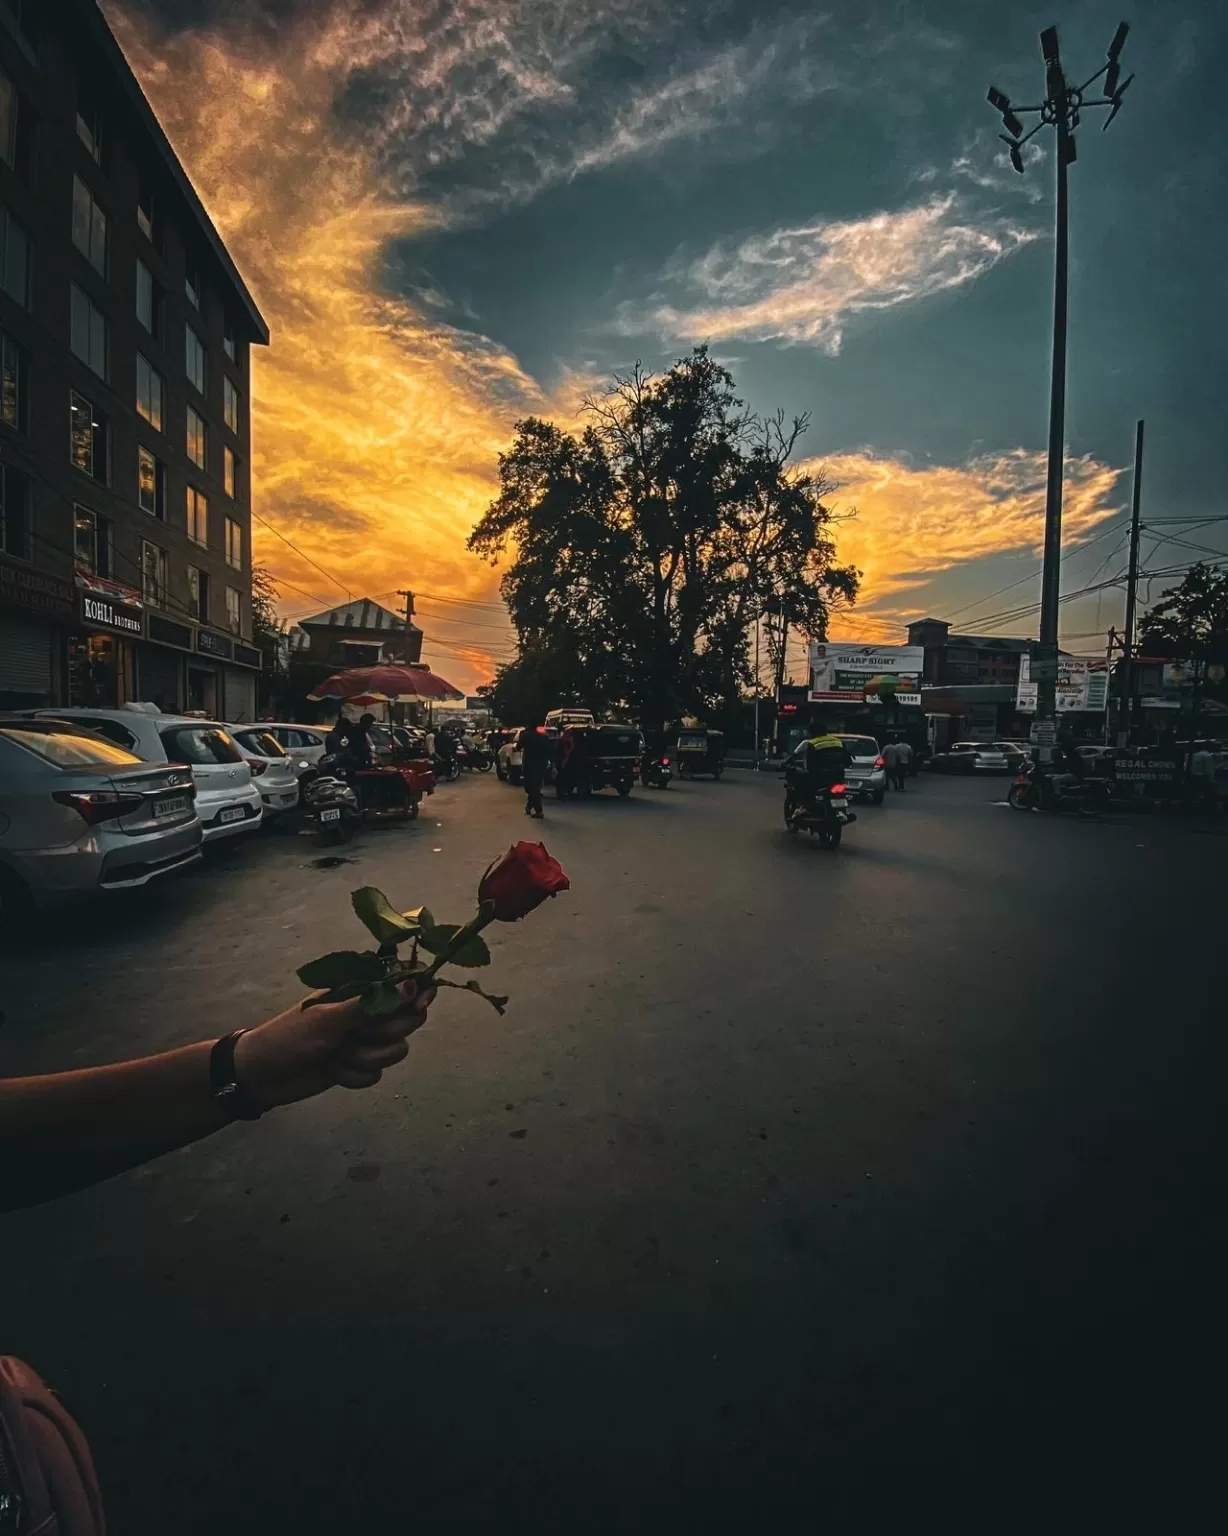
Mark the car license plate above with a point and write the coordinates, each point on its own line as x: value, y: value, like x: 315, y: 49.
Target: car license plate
x: 173, y: 805
x: 333, y: 814
x: 232, y: 813
x: 841, y: 804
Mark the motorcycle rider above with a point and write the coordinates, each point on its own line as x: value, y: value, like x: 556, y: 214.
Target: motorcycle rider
x: 825, y: 759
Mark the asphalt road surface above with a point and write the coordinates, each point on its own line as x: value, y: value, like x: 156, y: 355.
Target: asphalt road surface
x: 877, y: 1189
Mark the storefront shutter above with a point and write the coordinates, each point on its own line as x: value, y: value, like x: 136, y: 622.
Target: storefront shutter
x: 159, y: 677
x: 240, y: 694
x: 25, y: 657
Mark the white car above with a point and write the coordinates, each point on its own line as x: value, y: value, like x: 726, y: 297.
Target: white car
x: 227, y: 800
x: 304, y: 744
x: 275, y: 773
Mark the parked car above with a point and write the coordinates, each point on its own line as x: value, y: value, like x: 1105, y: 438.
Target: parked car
x: 304, y: 744
x: 867, y: 773
x: 274, y: 771
x: 80, y: 815
x: 509, y: 759
x: 227, y: 799
x: 1017, y: 753
x: 970, y: 757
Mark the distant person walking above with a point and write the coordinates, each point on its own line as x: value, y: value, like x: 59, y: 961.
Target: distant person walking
x: 895, y: 768
x: 907, y: 768
x: 534, y: 761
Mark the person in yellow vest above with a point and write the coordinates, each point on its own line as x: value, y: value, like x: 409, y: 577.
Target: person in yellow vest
x: 824, y: 761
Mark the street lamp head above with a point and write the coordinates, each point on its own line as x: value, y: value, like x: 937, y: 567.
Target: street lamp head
x: 998, y: 100
x: 1119, y: 42
x: 1016, y: 157
x: 1011, y: 123
x: 1048, y: 45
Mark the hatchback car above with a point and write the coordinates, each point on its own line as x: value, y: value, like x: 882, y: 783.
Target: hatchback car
x: 227, y: 799
x: 274, y: 771
x: 867, y: 773
x: 304, y: 744
x: 79, y: 815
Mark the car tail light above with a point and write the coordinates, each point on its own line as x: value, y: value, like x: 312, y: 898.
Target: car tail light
x: 665, y: 762
x: 257, y: 765
x: 95, y: 805
x: 880, y: 762
x: 839, y: 789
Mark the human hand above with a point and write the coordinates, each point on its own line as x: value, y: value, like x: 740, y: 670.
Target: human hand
x: 303, y: 1051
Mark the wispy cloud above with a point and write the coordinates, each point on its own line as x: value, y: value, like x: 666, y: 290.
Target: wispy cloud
x: 915, y: 522
x: 806, y: 284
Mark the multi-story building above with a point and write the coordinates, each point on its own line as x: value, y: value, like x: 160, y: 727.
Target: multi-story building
x: 359, y: 633
x: 125, y: 336
x: 964, y: 660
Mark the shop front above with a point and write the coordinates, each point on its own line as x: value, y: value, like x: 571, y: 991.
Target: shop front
x: 35, y: 609
x: 110, y: 618
x: 222, y: 676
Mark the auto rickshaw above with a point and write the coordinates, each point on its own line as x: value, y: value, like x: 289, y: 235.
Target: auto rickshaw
x: 700, y: 751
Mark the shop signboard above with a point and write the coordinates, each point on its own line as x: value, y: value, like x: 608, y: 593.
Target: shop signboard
x: 21, y: 586
x: 864, y: 673
x: 112, y: 609
x: 209, y: 644
x: 1081, y: 685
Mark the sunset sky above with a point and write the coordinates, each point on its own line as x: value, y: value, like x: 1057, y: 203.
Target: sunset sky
x: 453, y: 215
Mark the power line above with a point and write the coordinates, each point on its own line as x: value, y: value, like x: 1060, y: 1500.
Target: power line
x: 1074, y: 550
x: 264, y: 523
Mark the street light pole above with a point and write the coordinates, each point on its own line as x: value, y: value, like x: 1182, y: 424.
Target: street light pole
x: 1126, y: 722
x: 1060, y: 110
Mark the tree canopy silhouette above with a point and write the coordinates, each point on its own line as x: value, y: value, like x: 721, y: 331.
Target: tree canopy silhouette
x: 645, y: 546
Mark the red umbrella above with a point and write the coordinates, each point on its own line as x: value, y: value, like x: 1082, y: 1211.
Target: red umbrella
x: 385, y: 685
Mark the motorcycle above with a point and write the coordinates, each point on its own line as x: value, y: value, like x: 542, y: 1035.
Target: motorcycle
x: 825, y: 816
x: 1034, y: 791
x: 655, y: 772
x: 474, y: 758
x: 447, y: 765
x: 329, y: 800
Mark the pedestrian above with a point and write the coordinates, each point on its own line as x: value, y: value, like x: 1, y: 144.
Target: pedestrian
x: 895, y: 772
x: 1203, y: 765
x: 907, y: 756
x: 534, y: 760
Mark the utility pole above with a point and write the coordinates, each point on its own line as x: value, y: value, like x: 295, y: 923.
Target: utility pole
x: 1060, y: 110
x: 1108, y: 681
x: 1126, y: 724
x: 758, y: 690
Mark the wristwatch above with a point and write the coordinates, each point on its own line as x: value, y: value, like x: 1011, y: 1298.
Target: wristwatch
x: 224, y: 1086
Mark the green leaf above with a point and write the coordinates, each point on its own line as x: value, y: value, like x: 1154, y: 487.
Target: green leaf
x: 472, y: 952
x: 499, y: 1004
x: 383, y: 998
x: 343, y: 965
x: 381, y: 918
x: 340, y: 994
x: 421, y: 918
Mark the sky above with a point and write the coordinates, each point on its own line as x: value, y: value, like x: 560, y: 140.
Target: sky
x: 456, y: 215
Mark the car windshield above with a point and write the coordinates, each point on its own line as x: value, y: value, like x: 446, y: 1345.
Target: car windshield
x: 67, y: 748
x: 262, y: 743
x: 199, y: 744
x: 861, y: 746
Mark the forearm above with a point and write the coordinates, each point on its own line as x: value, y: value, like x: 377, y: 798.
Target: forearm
x: 61, y: 1132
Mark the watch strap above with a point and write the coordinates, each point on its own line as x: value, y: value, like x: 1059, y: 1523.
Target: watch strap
x: 224, y: 1085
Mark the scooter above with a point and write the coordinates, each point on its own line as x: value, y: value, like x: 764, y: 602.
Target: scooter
x: 1033, y: 791
x: 825, y: 817
x: 655, y: 772
x: 329, y: 800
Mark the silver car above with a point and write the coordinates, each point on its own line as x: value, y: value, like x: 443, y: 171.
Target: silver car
x: 866, y: 775
x: 79, y: 815
x: 274, y: 773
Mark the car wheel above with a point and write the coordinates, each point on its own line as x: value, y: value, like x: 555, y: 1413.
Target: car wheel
x: 624, y: 790
x: 500, y: 774
x: 16, y: 901
x: 878, y: 796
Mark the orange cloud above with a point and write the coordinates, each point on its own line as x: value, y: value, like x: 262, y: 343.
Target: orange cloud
x: 916, y: 521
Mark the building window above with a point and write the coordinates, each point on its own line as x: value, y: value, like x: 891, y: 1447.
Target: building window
x: 16, y: 527
x: 230, y: 405
x: 89, y: 226
x: 234, y: 544
x: 234, y: 610
x: 191, y: 285
x: 148, y: 392
x: 91, y: 542
x: 229, y: 345
x: 153, y: 574
x: 89, y: 129
x: 14, y: 259
x: 14, y: 371
x: 228, y: 470
x: 195, y: 359
x: 151, y: 483
x: 89, y: 332
x: 195, y: 439
x: 148, y: 298
x: 198, y: 594
x: 88, y: 438
x: 145, y: 213
x: 198, y: 517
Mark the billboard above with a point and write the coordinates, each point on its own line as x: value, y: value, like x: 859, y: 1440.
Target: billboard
x: 860, y: 673
x: 1081, y: 685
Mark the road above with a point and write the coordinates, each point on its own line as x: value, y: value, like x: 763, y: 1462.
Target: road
x: 796, y: 1190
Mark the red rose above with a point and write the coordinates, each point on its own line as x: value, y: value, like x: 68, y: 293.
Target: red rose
x: 521, y: 880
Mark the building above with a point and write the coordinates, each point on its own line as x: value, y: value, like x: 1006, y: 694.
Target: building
x: 965, y: 660
x: 125, y: 334
x: 359, y: 633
